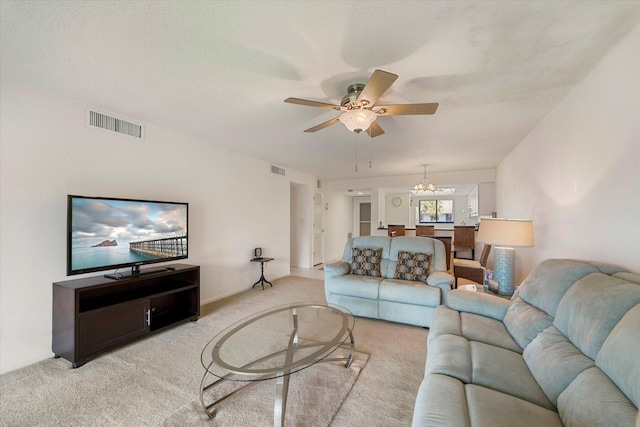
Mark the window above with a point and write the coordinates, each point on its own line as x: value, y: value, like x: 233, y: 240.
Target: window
x: 436, y: 210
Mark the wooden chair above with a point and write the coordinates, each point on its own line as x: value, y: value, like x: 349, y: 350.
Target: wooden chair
x: 395, y: 230
x: 464, y: 236
x: 471, y: 270
x: 425, y: 230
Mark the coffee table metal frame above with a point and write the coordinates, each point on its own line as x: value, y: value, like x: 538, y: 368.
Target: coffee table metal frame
x: 251, y: 376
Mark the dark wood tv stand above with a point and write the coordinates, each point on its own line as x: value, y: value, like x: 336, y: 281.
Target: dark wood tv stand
x: 97, y: 314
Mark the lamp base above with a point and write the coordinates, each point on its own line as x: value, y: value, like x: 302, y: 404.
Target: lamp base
x: 504, y: 265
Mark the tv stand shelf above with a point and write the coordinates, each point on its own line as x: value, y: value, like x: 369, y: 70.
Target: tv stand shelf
x: 97, y: 314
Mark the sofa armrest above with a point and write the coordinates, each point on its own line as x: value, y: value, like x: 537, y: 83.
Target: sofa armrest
x: 337, y: 269
x: 442, y: 280
x: 478, y: 303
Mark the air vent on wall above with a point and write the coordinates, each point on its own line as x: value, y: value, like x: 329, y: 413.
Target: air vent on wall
x: 277, y: 170
x: 107, y: 121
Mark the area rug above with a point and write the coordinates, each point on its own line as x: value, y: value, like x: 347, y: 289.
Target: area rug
x: 156, y: 381
x: 315, y: 396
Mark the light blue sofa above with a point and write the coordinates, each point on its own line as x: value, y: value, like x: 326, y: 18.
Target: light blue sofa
x: 564, y: 351
x: 384, y: 297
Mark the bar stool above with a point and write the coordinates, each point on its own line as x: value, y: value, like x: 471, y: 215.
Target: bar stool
x: 464, y: 239
x: 395, y: 230
x: 425, y: 230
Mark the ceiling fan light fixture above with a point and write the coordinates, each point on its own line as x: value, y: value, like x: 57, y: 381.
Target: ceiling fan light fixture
x: 357, y: 120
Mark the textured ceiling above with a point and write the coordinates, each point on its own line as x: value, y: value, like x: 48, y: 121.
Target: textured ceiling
x: 219, y: 71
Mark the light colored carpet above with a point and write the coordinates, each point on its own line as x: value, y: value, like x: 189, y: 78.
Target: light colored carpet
x: 156, y: 381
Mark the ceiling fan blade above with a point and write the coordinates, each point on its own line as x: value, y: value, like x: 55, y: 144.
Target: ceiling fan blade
x: 406, y: 109
x: 378, y: 84
x: 375, y: 129
x: 323, y: 125
x: 312, y: 103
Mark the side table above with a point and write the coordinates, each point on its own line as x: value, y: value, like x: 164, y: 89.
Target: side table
x: 262, y: 280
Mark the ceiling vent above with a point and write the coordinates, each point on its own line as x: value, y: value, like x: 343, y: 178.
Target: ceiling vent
x: 277, y: 170
x: 109, y: 122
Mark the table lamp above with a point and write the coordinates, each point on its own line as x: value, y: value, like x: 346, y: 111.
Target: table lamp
x: 505, y: 234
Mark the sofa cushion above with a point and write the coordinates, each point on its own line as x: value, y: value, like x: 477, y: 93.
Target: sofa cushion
x: 450, y: 355
x: 366, y: 262
x: 525, y: 331
x: 488, y: 331
x: 506, y: 371
x: 619, y: 355
x: 472, y: 327
x: 445, y: 321
x: 490, y: 408
x: 554, y: 362
x: 382, y: 242
x: 592, y: 399
x: 629, y: 277
x: 547, y: 283
x: 409, y: 292
x: 535, y: 304
x: 354, y: 286
x: 412, y: 266
x: 591, y: 309
x: 441, y: 401
x: 412, y: 314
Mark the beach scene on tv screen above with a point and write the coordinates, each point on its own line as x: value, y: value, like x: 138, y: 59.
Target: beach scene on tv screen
x: 112, y: 232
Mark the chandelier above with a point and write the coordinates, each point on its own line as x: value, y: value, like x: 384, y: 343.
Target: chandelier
x: 424, y: 185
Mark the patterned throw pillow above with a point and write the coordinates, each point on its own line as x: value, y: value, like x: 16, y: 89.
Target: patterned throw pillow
x: 412, y: 266
x: 366, y: 261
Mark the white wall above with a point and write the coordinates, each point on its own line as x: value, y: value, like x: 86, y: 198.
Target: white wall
x: 301, y: 221
x: 398, y: 215
x: 47, y: 152
x: 577, y: 174
x: 338, y: 224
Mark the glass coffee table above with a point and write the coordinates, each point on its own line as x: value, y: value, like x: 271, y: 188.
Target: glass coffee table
x: 273, y: 344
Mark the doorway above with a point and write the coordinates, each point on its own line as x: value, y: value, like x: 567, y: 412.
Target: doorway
x: 318, y: 227
x: 362, y: 216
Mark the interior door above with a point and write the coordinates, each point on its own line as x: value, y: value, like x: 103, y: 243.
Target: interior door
x: 318, y: 227
x: 362, y: 211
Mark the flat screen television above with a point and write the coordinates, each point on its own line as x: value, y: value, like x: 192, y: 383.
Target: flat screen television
x: 109, y: 234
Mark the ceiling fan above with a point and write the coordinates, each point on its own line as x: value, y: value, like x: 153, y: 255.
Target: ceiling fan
x: 359, y: 109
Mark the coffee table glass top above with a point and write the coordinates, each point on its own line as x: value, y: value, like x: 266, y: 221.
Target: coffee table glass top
x: 259, y: 347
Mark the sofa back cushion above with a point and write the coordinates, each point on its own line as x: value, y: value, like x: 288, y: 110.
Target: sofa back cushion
x: 592, y: 399
x: 554, y: 362
x: 423, y: 245
x: 374, y: 242
x: 618, y: 357
x: 629, y: 277
x: 534, y: 306
x: 592, y: 308
x: 547, y: 283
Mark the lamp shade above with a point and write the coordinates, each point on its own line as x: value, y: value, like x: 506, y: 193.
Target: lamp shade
x: 506, y: 232
x: 357, y: 120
